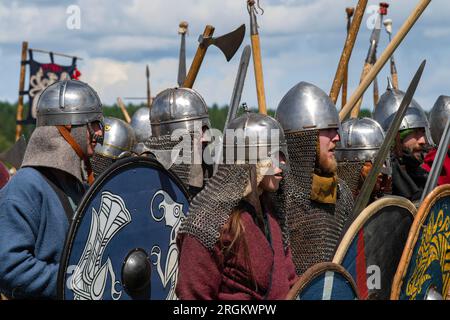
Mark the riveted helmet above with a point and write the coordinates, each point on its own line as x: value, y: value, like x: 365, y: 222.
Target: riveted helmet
x: 363, y: 138
x: 177, y: 108
x: 118, y: 139
x: 68, y: 102
x: 307, y: 107
x: 140, y: 122
x: 388, y: 105
x: 253, y: 137
x: 438, y: 117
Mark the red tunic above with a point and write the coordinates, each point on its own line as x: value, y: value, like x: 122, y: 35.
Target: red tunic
x: 444, y: 178
x: 204, y: 275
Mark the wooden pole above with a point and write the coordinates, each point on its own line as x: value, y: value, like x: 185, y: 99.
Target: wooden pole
x: 409, y: 23
x: 350, y: 12
x: 355, y: 111
x: 21, y: 88
x: 198, y: 59
x: 124, y: 110
x: 347, y: 51
x: 257, y: 61
x: 376, y: 94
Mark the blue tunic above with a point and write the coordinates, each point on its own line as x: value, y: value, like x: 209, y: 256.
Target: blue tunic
x: 33, y: 228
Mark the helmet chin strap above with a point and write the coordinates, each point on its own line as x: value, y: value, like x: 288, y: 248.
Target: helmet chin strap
x: 95, y: 137
x: 65, y: 132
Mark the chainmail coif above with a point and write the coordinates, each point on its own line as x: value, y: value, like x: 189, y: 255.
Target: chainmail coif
x: 182, y: 169
x: 210, y: 210
x: 350, y: 172
x: 100, y: 163
x: 314, y: 228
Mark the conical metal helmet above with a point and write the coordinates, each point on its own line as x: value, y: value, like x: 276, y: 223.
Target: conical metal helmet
x: 307, y: 107
x: 363, y: 138
x: 438, y: 117
x: 118, y: 139
x: 388, y: 105
x: 140, y: 122
x: 68, y: 102
x: 177, y: 108
x: 252, y: 137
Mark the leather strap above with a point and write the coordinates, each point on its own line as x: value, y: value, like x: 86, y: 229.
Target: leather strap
x: 64, y: 131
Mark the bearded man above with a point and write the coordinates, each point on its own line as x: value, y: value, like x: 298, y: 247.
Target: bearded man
x: 363, y: 139
x: 316, y: 202
x: 411, y: 144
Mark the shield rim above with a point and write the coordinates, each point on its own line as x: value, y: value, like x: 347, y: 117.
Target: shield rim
x: 316, y: 270
x: 364, y: 216
x: 422, y: 214
x: 75, y: 223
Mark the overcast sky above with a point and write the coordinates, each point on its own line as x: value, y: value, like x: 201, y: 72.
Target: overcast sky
x: 301, y: 40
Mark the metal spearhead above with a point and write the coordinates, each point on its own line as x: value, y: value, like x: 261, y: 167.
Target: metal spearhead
x: 228, y: 43
x: 183, y: 27
x: 235, y: 98
x: 369, y: 183
x: 238, y: 85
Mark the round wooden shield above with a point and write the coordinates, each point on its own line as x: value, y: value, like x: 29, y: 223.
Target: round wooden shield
x: 324, y: 281
x: 122, y: 241
x: 425, y: 261
x: 372, y: 247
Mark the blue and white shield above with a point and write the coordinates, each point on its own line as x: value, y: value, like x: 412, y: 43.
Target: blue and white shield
x: 122, y: 241
x: 324, y: 281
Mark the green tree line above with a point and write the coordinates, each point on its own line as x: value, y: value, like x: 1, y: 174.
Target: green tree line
x: 217, y: 116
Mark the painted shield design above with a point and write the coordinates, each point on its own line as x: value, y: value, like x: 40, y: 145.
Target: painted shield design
x: 324, y: 281
x: 424, y: 268
x: 372, y: 247
x: 4, y: 175
x: 122, y: 241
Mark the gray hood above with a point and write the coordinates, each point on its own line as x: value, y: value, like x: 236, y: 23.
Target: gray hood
x: 47, y: 148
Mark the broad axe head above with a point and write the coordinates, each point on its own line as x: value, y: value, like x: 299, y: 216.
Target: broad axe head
x: 228, y: 43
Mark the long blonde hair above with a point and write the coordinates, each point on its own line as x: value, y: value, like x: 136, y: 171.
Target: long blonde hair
x: 234, y: 226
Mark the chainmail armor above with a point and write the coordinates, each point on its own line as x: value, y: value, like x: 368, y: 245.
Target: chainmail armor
x: 100, y: 163
x: 314, y: 228
x: 210, y: 210
x: 350, y: 172
x: 182, y: 169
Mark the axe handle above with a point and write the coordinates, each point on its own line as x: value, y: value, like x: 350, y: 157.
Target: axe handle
x: 350, y: 13
x: 198, y: 59
x: 21, y: 88
x: 348, y: 49
x: 376, y: 95
x: 257, y: 63
x: 355, y: 111
x: 124, y: 110
x: 345, y: 87
x: 409, y: 23
x: 395, y: 79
